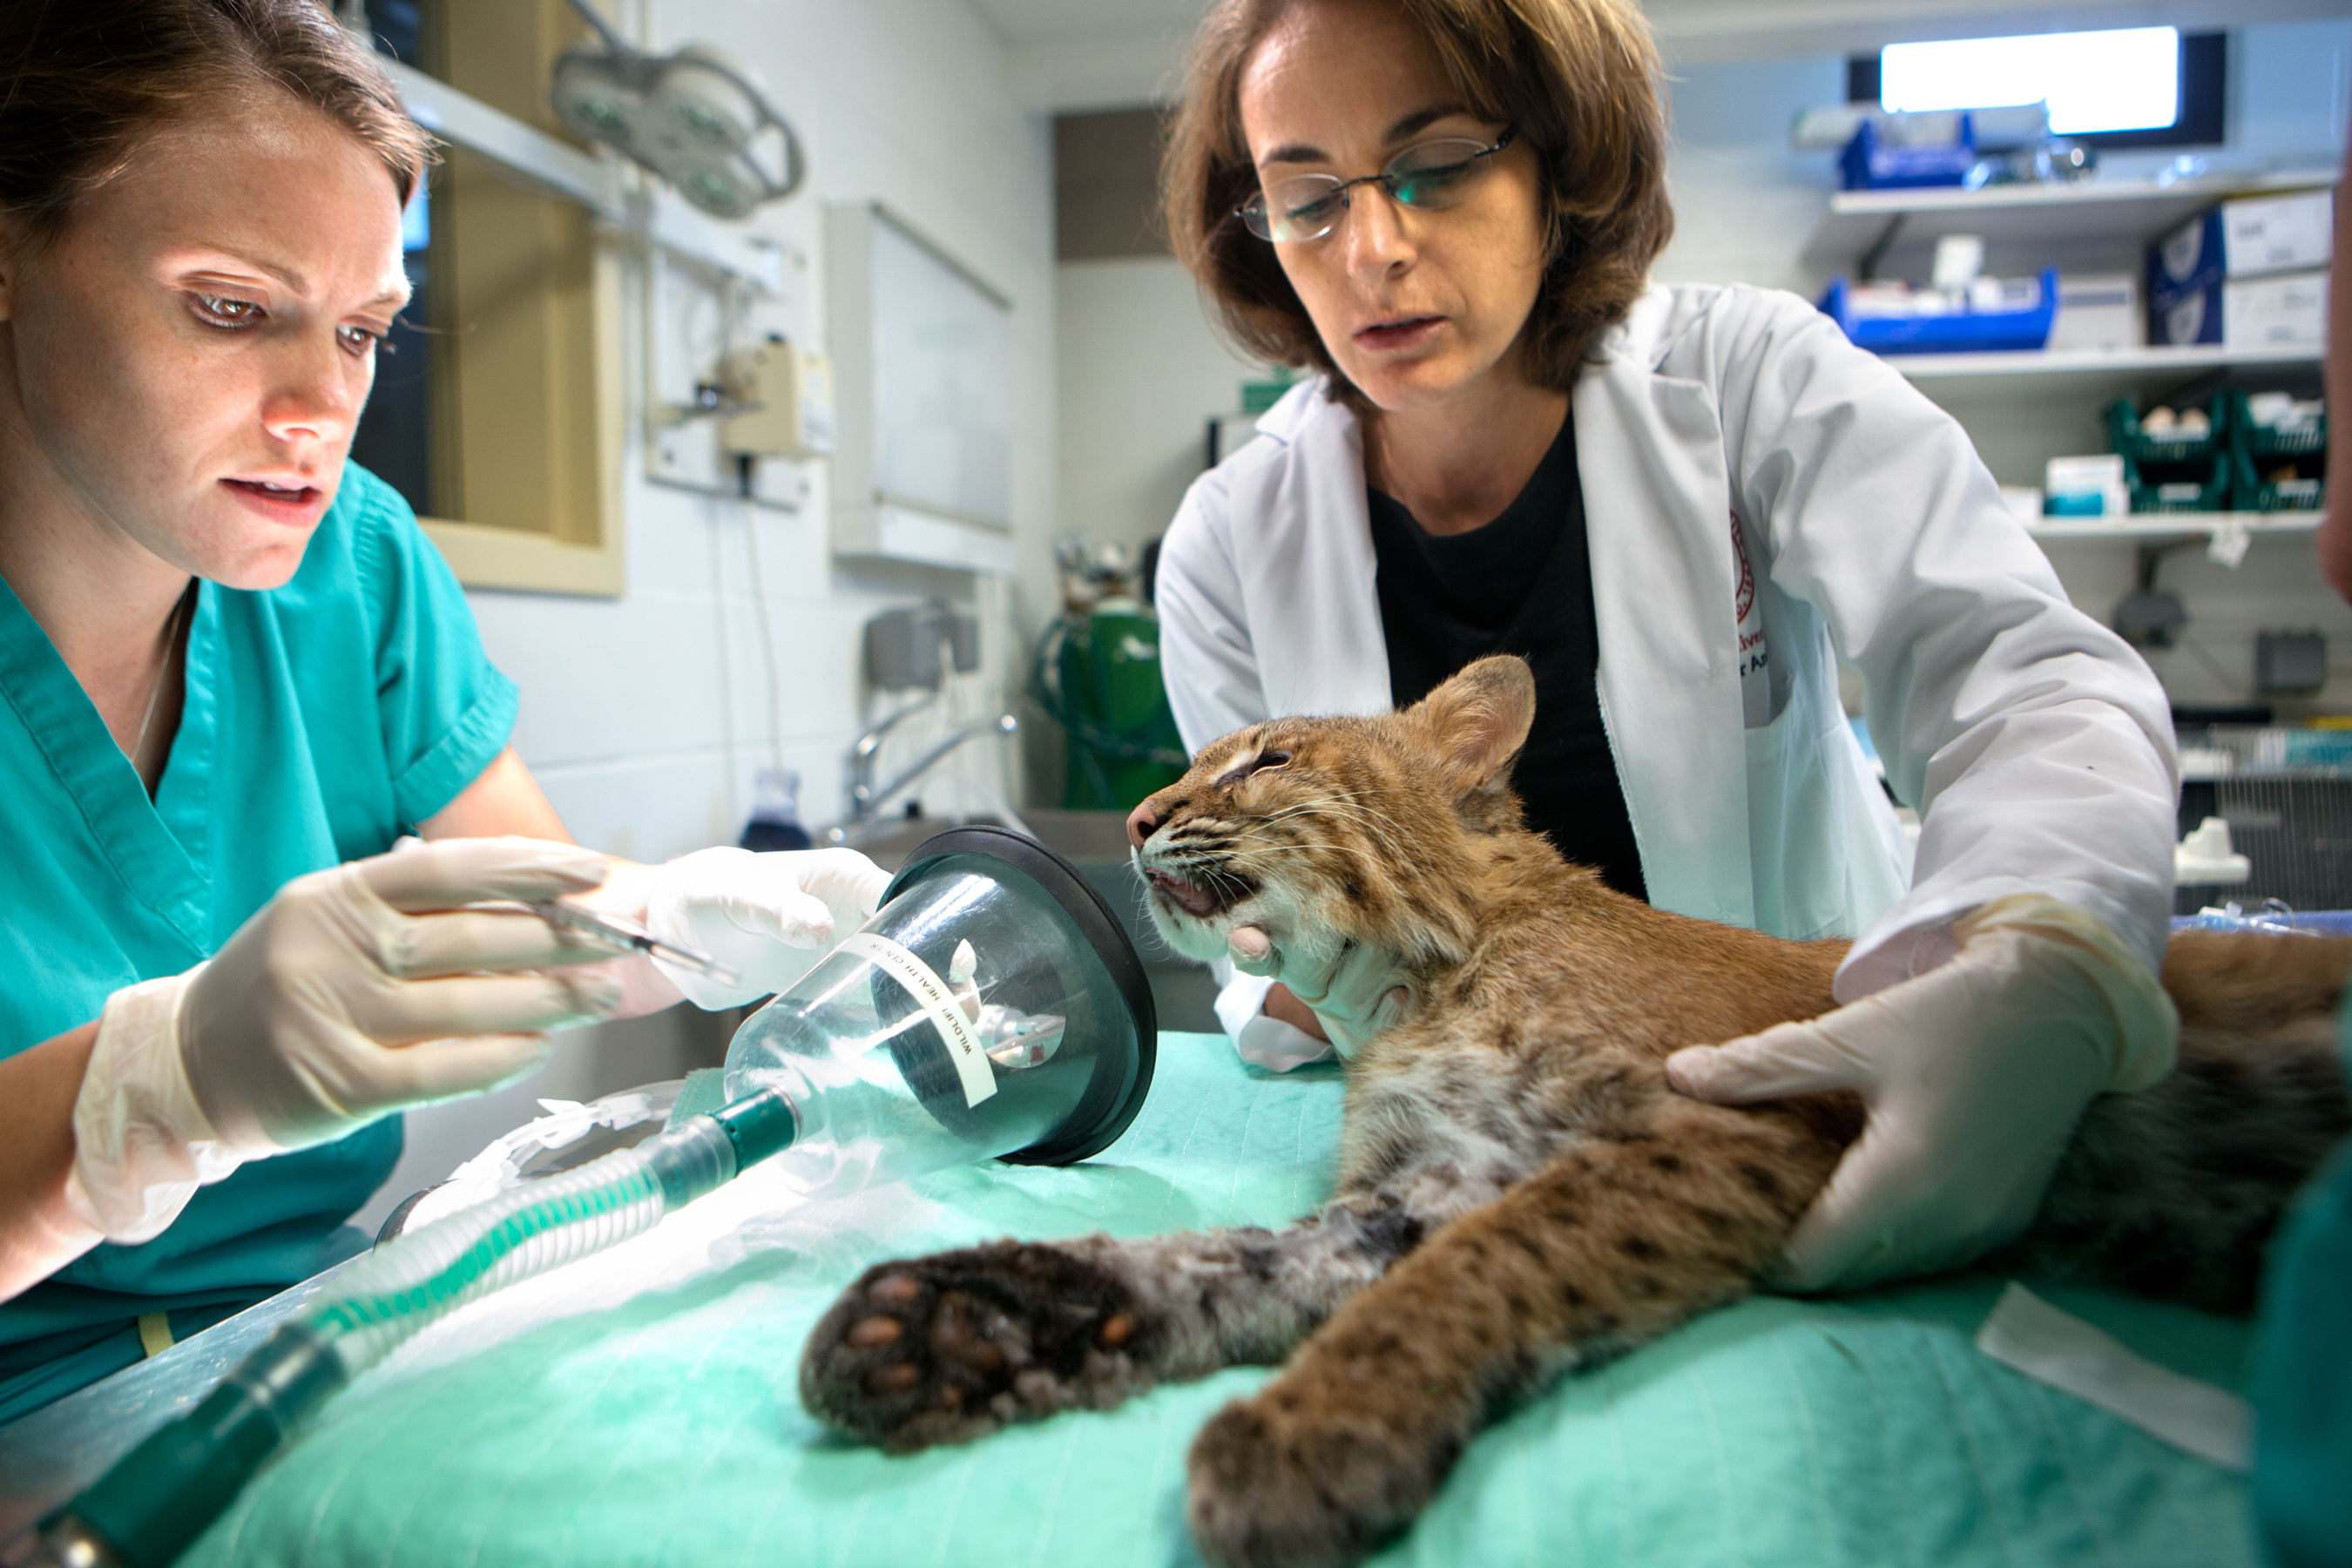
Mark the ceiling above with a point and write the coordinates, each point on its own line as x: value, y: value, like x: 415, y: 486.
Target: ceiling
x: 1105, y: 54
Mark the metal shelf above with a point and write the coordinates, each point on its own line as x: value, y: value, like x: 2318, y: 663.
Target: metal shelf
x: 2174, y: 524
x: 2109, y: 373
x: 1859, y: 222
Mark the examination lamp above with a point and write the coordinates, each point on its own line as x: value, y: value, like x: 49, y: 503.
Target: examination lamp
x: 993, y: 1007
x: 690, y: 116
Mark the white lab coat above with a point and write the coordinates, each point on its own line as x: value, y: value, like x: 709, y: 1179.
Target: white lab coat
x: 2037, y: 745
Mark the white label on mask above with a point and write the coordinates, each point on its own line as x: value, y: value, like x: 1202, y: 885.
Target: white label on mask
x: 939, y: 1005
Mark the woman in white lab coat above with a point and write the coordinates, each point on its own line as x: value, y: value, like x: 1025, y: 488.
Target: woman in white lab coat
x: 1684, y: 505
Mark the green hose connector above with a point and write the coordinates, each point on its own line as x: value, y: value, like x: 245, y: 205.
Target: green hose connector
x: 759, y: 1125
x: 160, y: 1497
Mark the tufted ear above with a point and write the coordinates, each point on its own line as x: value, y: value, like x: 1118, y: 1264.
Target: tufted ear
x: 1478, y: 721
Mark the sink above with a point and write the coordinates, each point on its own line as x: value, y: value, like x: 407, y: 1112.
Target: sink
x: 1096, y: 843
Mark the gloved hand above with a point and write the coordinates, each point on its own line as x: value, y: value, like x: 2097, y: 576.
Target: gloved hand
x: 1354, y: 993
x: 353, y: 992
x: 769, y: 917
x: 1974, y: 1075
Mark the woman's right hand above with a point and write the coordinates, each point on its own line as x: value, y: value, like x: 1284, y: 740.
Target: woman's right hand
x: 1349, y: 994
x: 354, y: 993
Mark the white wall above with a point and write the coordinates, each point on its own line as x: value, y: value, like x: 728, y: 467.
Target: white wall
x: 1141, y: 373
x: 645, y: 716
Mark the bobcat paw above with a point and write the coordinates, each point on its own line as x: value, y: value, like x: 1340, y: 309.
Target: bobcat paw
x: 1277, y: 1483
x: 950, y: 1347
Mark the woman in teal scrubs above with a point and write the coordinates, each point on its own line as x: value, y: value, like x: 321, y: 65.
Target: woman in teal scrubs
x: 232, y: 675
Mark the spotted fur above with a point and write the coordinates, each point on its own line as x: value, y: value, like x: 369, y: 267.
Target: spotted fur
x: 1519, y: 1194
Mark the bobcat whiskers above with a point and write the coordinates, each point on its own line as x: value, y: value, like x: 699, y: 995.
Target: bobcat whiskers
x: 1206, y: 884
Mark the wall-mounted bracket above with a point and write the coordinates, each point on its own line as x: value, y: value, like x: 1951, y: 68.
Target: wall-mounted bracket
x: 540, y: 162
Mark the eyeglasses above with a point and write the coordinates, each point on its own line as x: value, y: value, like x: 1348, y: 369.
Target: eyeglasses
x: 1429, y: 178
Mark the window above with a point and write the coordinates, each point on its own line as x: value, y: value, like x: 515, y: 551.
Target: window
x: 2129, y: 80
x: 2136, y: 87
x: 500, y: 421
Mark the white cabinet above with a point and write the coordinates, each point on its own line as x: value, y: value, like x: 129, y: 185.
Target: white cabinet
x: 922, y: 380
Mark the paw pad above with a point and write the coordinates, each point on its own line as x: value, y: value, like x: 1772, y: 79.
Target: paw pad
x: 869, y: 1333
x: 945, y: 1348
x: 896, y: 1378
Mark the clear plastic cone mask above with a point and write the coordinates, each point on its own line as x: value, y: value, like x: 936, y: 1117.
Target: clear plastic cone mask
x: 969, y: 1018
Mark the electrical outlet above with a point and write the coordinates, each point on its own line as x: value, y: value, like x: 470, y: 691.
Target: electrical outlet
x: 2290, y: 664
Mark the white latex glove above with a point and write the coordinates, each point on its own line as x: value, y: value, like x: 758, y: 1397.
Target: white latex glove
x: 1973, y: 1074
x: 353, y: 992
x: 769, y: 918
x: 1354, y: 993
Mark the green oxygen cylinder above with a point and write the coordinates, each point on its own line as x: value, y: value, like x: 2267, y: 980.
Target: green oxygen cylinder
x: 1123, y: 745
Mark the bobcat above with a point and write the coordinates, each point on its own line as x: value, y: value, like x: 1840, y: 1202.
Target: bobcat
x: 1519, y: 1193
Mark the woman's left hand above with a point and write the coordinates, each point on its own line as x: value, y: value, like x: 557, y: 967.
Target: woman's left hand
x: 767, y: 917
x: 1973, y: 1075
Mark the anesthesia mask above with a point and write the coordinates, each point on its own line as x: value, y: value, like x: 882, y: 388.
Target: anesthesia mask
x: 993, y: 1007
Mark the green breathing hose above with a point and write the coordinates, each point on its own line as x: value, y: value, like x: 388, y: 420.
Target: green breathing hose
x: 143, y: 1513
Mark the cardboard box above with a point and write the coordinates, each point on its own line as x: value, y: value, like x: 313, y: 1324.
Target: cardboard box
x: 2185, y: 261
x: 2251, y: 237
x: 2287, y: 312
x: 2098, y: 310
x: 2186, y: 316
x: 2265, y: 235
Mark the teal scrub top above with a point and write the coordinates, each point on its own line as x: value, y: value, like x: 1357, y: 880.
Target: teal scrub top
x: 2302, y: 1378
x: 322, y: 720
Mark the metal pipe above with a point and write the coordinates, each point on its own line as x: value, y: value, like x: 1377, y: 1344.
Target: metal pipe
x: 871, y: 742
x: 865, y: 800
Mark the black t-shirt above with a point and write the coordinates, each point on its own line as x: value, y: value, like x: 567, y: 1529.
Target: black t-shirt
x: 1522, y: 585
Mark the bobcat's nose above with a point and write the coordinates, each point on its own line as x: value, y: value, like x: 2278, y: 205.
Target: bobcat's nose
x: 1142, y: 824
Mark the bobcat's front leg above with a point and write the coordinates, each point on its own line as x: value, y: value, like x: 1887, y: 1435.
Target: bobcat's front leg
x: 949, y: 1347
x: 1621, y: 1237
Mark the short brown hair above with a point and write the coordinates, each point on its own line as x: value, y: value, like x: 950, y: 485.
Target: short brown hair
x: 83, y: 82
x: 1580, y: 81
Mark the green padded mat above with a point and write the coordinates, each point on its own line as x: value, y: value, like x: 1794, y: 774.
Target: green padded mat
x: 638, y: 1408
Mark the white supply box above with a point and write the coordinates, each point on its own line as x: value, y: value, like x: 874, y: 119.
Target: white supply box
x: 2098, y: 311
x: 2288, y: 312
x: 2263, y: 235
x: 2089, y: 486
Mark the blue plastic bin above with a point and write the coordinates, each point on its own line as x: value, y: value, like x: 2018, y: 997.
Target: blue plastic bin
x: 1968, y: 333
x: 1865, y: 165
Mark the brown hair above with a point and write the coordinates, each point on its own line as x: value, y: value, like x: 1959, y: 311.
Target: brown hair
x: 83, y: 82
x: 1580, y: 81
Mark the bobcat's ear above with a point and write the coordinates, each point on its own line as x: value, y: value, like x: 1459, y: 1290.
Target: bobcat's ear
x: 1479, y: 720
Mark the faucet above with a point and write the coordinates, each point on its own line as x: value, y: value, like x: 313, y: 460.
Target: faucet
x: 867, y: 797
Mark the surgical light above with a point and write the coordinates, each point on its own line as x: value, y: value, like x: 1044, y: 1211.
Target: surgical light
x: 693, y: 117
